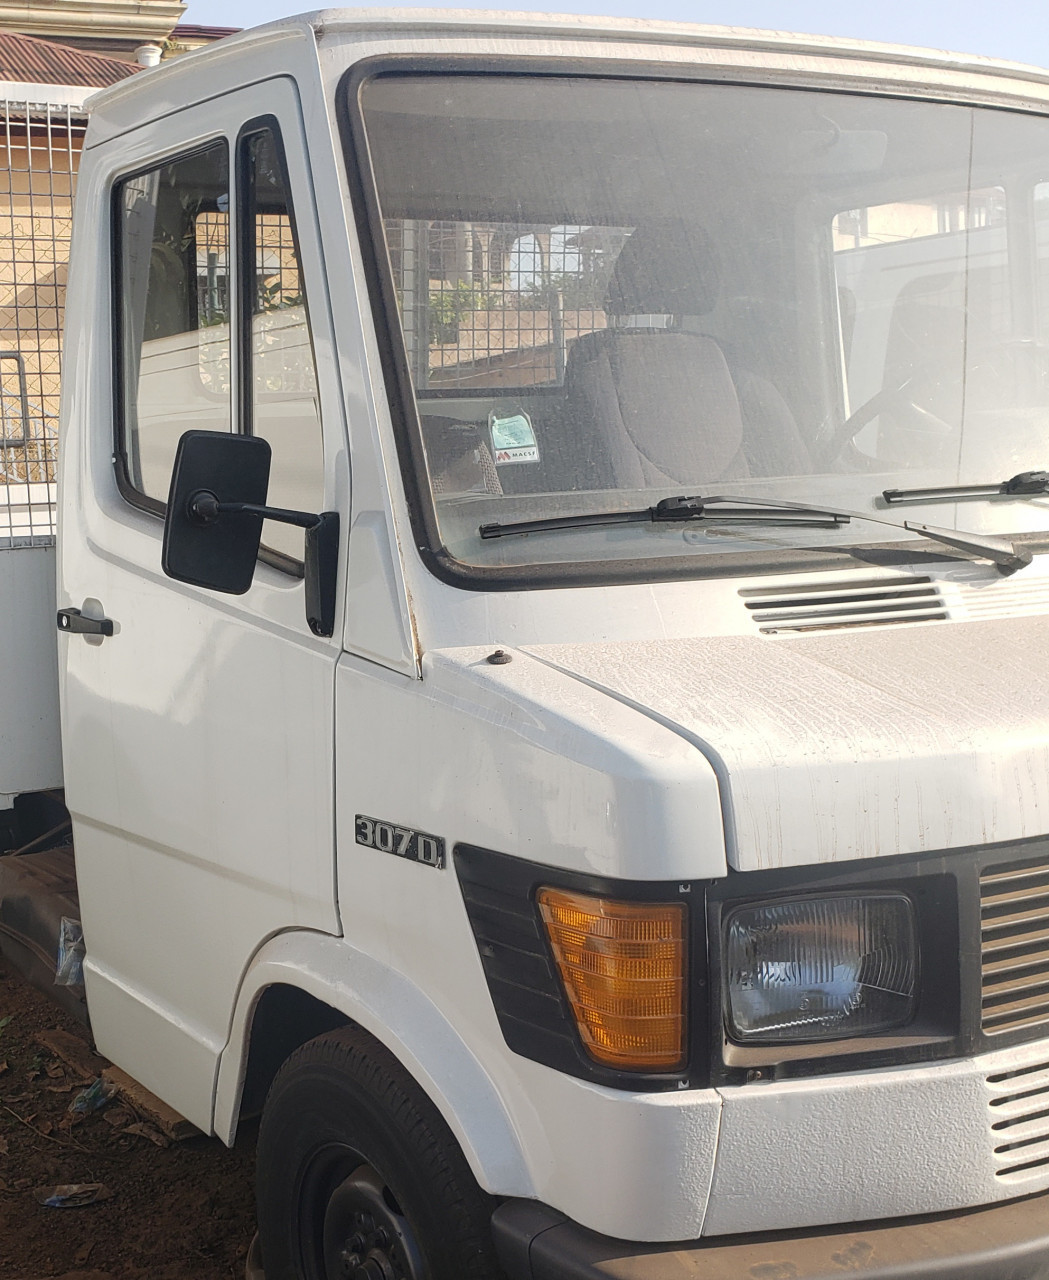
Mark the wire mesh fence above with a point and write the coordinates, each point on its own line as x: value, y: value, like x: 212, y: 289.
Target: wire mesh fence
x: 495, y: 304
x: 40, y: 147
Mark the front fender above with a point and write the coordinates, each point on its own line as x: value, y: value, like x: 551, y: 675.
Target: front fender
x: 401, y: 1017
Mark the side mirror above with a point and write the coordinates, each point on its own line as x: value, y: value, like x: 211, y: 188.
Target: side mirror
x: 213, y: 526
x: 202, y: 548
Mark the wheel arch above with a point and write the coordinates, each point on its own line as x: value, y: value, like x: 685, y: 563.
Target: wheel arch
x: 284, y: 1018
x: 301, y: 984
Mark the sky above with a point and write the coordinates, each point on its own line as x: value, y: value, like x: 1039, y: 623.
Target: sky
x: 1013, y: 29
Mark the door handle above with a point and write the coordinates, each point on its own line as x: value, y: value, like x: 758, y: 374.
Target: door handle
x: 73, y: 621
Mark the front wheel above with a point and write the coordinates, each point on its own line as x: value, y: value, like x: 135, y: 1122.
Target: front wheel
x: 358, y: 1176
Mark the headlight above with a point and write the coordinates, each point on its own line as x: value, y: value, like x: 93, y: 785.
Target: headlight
x: 821, y: 968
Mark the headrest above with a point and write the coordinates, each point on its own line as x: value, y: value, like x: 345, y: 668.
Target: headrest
x: 666, y: 268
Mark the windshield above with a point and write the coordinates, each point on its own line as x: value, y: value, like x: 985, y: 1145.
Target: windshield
x: 611, y: 292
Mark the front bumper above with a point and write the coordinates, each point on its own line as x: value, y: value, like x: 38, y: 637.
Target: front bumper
x: 1005, y: 1241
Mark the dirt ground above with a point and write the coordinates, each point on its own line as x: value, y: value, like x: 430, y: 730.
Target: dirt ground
x: 184, y: 1211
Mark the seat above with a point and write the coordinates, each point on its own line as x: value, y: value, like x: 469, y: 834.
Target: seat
x: 772, y: 443
x: 648, y: 404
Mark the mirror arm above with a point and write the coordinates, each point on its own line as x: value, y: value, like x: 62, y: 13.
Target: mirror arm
x: 204, y: 508
x: 303, y: 519
x: 322, y: 548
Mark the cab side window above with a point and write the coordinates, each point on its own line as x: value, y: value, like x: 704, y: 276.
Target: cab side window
x: 924, y: 289
x: 280, y: 375
x: 179, y: 315
x: 173, y: 231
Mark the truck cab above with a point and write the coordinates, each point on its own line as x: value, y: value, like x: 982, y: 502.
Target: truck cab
x: 552, y: 615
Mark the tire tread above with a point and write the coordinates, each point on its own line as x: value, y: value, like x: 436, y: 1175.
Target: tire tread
x: 464, y: 1249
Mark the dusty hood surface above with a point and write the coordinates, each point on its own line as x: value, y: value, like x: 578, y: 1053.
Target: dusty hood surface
x: 852, y: 744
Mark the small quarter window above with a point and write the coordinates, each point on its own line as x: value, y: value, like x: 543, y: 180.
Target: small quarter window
x: 281, y: 376
x: 173, y: 263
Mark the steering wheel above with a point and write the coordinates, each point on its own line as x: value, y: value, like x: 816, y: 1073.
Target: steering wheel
x: 896, y: 399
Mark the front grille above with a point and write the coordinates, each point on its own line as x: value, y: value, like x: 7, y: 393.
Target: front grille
x: 876, y: 602
x: 1014, y: 921
x: 1020, y: 1121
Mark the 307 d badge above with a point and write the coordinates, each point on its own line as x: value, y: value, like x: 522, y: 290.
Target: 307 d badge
x: 402, y: 842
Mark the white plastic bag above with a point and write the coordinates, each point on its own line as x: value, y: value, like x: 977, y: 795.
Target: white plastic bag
x: 69, y: 971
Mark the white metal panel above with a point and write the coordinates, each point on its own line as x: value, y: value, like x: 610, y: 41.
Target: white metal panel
x: 30, y: 749
x: 522, y: 759
x: 874, y: 742
x: 41, y: 128
x: 401, y: 1016
x: 733, y: 52
x: 199, y: 736
x: 867, y: 1145
x: 525, y: 1130
x: 525, y: 760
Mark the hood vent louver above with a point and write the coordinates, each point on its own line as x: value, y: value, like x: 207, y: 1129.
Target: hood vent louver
x: 873, y: 602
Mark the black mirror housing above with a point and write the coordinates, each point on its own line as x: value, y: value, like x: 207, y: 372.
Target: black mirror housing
x: 322, y: 571
x: 213, y: 526
x: 219, y: 553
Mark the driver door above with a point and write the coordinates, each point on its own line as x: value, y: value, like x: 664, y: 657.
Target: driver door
x: 199, y: 734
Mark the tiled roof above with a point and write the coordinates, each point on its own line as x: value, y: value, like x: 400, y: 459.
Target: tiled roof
x: 32, y: 61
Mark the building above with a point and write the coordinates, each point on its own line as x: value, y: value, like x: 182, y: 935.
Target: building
x: 43, y: 89
x: 53, y: 55
x: 112, y: 28
x: 109, y: 28
x: 187, y: 36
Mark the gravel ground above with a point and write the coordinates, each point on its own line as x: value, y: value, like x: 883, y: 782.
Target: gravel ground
x: 181, y: 1211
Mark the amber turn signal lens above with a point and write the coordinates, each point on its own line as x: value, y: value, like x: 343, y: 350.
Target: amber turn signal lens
x: 623, y: 969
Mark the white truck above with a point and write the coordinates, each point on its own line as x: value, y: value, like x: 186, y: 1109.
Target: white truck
x: 553, y: 621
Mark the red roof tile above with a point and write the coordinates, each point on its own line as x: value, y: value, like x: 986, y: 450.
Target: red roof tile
x: 26, y: 59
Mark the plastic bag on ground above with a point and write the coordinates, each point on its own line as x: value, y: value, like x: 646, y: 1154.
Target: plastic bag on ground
x: 93, y: 1098
x: 69, y: 971
x: 71, y: 1195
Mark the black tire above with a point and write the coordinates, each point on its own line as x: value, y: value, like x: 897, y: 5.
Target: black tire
x: 358, y: 1176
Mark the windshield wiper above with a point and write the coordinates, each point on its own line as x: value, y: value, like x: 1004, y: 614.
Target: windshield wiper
x: 775, y: 512
x: 1027, y: 484
x: 1004, y: 554
x: 763, y: 511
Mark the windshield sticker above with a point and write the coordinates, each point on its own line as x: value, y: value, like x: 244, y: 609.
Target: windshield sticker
x: 513, y: 439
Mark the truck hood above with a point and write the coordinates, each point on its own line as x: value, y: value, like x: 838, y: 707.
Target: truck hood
x: 851, y: 744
